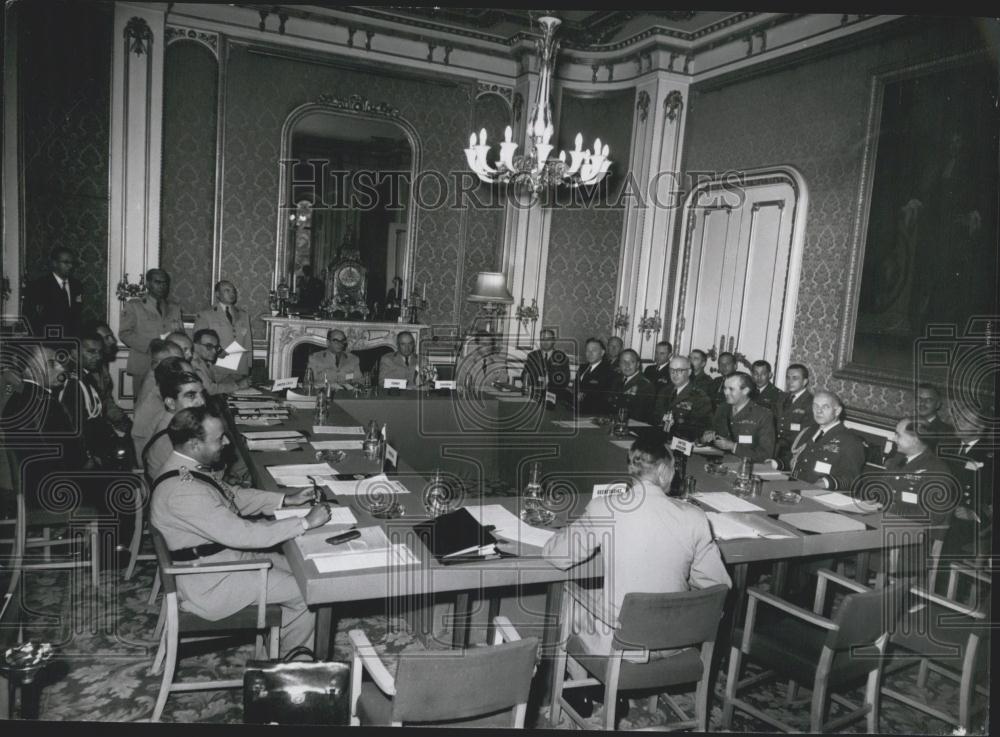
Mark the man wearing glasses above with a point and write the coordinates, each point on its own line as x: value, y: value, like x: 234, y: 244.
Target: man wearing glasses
x: 683, y: 408
x: 206, y: 351
x: 336, y: 364
x: 56, y: 299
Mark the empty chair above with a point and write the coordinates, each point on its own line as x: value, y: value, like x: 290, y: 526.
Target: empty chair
x: 804, y: 647
x: 477, y: 687
x: 181, y: 625
x: 686, y: 621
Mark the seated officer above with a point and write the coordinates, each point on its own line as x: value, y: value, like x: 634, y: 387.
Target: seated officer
x: 741, y: 426
x: 158, y: 350
x: 658, y: 371
x: 826, y: 453
x: 683, y: 408
x: 403, y: 363
x: 336, y: 364
x: 928, y: 413
x: 147, y: 414
x: 699, y: 378
x: 794, y: 411
x: 727, y: 365
x: 207, y: 521
x: 206, y: 352
x: 593, y: 381
x: 768, y: 395
x: 632, y: 389
x: 972, y: 457
x: 615, y: 348
x: 180, y: 391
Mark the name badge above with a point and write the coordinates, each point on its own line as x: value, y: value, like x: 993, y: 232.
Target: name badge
x: 164, y: 336
x: 973, y: 465
x: 822, y: 467
x: 745, y: 439
x: 795, y: 427
x: 887, y: 448
x: 394, y: 384
x: 289, y: 383
x: 390, y: 454
x: 438, y: 384
x: 348, y: 377
x: 684, y: 446
x: 908, y: 497
x: 518, y: 383
x: 550, y: 397
x: 601, y: 490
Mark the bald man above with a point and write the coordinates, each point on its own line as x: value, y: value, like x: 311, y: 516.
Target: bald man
x: 826, y: 453
x: 230, y: 323
x: 336, y: 364
x: 682, y: 407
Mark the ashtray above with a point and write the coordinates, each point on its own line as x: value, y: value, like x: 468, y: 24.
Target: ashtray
x: 330, y: 456
x: 601, y: 421
x: 715, y: 468
x: 785, y: 496
x: 537, y: 517
x: 390, y: 510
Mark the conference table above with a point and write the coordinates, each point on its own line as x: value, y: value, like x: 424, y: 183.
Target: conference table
x: 484, y: 446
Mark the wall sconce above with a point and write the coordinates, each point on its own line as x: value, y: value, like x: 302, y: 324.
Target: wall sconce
x: 126, y: 290
x: 527, y: 314
x: 650, y: 324
x: 621, y: 321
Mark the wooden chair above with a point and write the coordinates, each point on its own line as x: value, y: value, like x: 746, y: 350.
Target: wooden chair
x: 184, y: 626
x: 141, y: 529
x: 803, y: 646
x: 949, y: 638
x: 686, y: 621
x: 477, y: 687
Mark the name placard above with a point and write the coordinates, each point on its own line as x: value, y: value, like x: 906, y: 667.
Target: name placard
x: 439, y: 384
x: 601, y: 490
x: 550, y: 397
x: 390, y: 454
x: 394, y: 384
x: 684, y: 446
x: 289, y: 383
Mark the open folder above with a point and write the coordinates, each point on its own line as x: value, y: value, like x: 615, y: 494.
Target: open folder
x: 456, y: 535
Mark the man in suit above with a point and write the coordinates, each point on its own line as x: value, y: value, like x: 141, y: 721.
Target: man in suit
x: 614, y: 352
x: 183, y: 341
x: 699, y: 378
x: 152, y: 316
x: 403, y: 363
x: 105, y: 385
x: 56, y: 299
x: 593, y: 380
x: 179, y: 391
x: 794, y: 412
x: 536, y: 373
x: 336, y: 364
x: 206, y: 351
x: 741, y: 426
x: 206, y: 521
x: 972, y: 457
x: 826, y: 453
x: 632, y: 389
x: 683, y: 408
x: 768, y: 395
x: 394, y: 300
x: 658, y: 372
x: 230, y: 323
x: 727, y: 365
x: 928, y: 413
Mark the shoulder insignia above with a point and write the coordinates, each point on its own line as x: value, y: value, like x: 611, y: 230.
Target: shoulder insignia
x: 185, y: 474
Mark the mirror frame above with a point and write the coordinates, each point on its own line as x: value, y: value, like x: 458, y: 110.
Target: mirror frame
x: 355, y: 106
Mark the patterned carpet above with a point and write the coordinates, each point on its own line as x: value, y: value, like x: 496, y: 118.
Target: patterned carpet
x: 101, y: 669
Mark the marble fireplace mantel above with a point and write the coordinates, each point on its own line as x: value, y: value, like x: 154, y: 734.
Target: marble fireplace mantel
x: 285, y: 333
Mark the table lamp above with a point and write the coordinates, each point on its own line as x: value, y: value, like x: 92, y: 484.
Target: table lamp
x: 491, y: 292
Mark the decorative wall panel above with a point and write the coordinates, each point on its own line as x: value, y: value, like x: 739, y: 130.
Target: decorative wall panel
x: 65, y: 84
x: 187, y: 199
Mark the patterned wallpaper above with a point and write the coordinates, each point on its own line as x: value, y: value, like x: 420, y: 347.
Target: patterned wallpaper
x: 65, y: 83
x: 187, y: 200
x: 585, y: 241
x: 261, y: 92
x: 818, y: 127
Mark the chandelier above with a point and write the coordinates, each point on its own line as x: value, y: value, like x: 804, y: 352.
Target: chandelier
x: 535, y: 169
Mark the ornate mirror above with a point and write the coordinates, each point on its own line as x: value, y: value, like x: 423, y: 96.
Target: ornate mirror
x: 346, y: 222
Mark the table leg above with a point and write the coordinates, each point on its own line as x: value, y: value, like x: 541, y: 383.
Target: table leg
x: 494, y: 610
x: 727, y: 627
x: 460, y: 623
x: 780, y: 577
x: 861, y: 565
x: 324, y: 632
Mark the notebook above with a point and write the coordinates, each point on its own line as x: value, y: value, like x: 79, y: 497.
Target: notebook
x: 456, y: 534
x: 315, y: 545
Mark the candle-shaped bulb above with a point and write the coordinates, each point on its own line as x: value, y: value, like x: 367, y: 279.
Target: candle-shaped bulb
x: 472, y: 140
x: 507, y: 134
x: 579, y: 141
x: 482, y: 136
x: 607, y: 150
x: 562, y: 156
x: 597, y: 147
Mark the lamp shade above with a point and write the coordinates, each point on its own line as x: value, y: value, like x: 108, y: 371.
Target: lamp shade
x: 491, y: 286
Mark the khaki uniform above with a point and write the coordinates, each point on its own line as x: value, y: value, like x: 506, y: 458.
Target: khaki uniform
x: 213, y: 379
x: 752, y: 429
x: 188, y: 512
x: 838, y: 457
x: 140, y: 323
x: 394, y: 366
x: 324, y: 367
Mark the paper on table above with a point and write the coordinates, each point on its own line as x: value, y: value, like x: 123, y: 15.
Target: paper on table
x: 337, y: 430
x: 337, y: 444
x: 733, y: 526
x: 509, y: 526
x: 767, y: 472
x: 707, y: 450
x: 723, y: 501
x: 257, y: 422
x: 295, y: 474
x: 255, y: 404
x: 274, y: 435
x: 315, y: 545
x: 577, y: 423
x: 822, y: 522
x: 338, y: 515
x: 623, y: 444
x: 249, y: 391
x: 379, y: 484
x: 300, y: 398
x: 844, y: 503
x: 231, y: 361
x: 274, y: 445
x: 395, y: 555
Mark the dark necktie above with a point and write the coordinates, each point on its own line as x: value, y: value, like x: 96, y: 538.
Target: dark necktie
x: 336, y: 360
x: 229, y: 315
x: 406, y: 360
x: 69, y: 298
x: 819, y: 436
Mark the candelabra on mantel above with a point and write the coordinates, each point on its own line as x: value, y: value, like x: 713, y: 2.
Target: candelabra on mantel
x: 126, y: 290
x: 414, y: 304
x: 621, y: 321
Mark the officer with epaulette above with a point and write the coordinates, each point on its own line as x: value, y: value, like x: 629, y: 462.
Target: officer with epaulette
x: 205, y: 520
x: 768, y: 395
x: 742, y: 427
x: 148, y: 317
x: 794, y: 411
x: 826, y: 453
x: 972, y: 457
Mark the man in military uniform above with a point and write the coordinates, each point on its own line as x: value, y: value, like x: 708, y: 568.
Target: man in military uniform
x: 336, y: 364
x: 230, y: 323
x: 699, y: 378
x: 683, y: 408
x: 826, y: 453
x: 152, y: 316
x: 183, y: 341
x: 727, y: 365
x: 179, y: 391
x: 614, y: 352
x: 158, y: 351
x: 149, y: 410
x: 658, y: 372
x: 206, y: 521
x: 633, y: 390
x: 972, y: 457
x: 794, y: 411
x: 741, y: 426
x: 206, y: 351
x: 593, y: 380
x: 403, y: 363
x: 928, y: 413
x: 768, y: 395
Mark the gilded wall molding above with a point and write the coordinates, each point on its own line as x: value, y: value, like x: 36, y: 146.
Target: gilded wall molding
x: 207, y: 39
x: 673, y: 103
x: 138, y: 36
x: 358, y: 104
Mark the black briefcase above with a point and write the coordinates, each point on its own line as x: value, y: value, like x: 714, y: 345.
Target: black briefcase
x: 287, y: 691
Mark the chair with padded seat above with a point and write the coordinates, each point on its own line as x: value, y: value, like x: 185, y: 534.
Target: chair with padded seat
x: 803, y: 646
x: 948, y: 637
x: 184, y: 626
x: 686, y: 621
x: 475, y: 687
